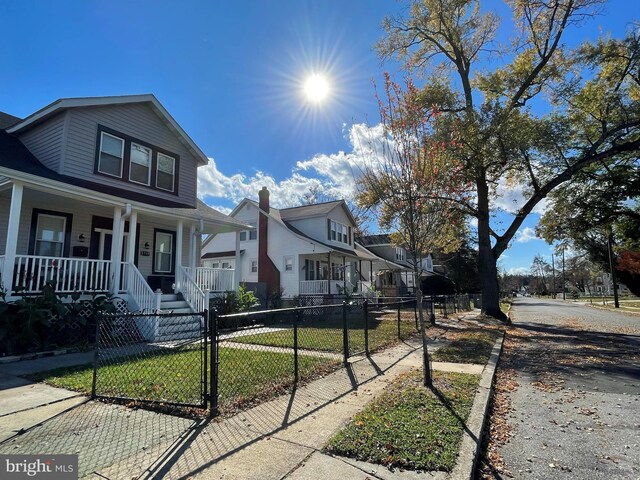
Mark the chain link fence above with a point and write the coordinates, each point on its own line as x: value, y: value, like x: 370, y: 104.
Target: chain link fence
x: 158, y: 358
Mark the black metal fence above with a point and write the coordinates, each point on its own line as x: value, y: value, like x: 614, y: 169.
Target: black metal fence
x: 153, y: 358
x: 234, y: 361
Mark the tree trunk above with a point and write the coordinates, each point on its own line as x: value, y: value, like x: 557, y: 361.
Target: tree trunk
x: 487, y: 263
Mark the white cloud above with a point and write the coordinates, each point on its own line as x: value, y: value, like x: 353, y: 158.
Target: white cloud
x: 330, y: 174
x: 518, y: 271
x: 510, y: 198
x: 526, y: 235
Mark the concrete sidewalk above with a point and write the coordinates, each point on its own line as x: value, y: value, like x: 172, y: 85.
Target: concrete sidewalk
x: 281, y: 438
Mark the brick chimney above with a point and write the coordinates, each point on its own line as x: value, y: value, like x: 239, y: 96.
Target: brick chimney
x: 263, y: 196
x: 268, y: 273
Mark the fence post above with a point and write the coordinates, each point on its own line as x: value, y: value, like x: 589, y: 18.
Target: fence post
x: 444, y: 305
x: 415, y: 311
x: 99, y: 317
x: 365, y: 312
x: 213, y: 329
x: 205, y: 363
x: 432, y: 311
x: 399, y: 306
x: 345, y: 333
x: 296, y: 320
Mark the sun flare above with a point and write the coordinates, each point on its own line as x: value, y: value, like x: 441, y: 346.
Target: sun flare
x: 316, y: 88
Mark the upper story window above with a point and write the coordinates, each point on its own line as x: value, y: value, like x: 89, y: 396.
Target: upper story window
x: 135, y: 161
x: 249, y: 234
x: 140, y: 170
x: 339, y: 232
x: 165, y: 177
x: 111, y: 157
x: 400, y: 253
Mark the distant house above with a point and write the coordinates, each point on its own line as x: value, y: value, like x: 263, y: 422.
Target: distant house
x: 99, y: 195
x: 305, y: 250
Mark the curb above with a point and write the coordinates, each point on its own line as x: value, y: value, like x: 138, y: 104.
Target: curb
x: 34, y: 356
x: 472, y: 439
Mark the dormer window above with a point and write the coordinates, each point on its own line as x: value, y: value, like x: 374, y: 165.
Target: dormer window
x: 338, y: 232
x: 111, y: 156
x: 165, y: 177
x: 140, y: 169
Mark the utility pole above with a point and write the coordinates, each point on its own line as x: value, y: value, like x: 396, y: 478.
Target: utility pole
x: 553, y: 275
x: 564, y: 296
x: 616, y: 301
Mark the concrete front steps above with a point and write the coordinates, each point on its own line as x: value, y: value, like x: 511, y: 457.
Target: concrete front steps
x: 179, y: 327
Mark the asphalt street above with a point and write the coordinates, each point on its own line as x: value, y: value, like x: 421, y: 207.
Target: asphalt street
x: 568, y: 401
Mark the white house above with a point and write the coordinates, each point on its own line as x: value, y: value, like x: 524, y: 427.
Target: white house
x: 394, y: 277
x: 305, y: 250
x: 99, y: 195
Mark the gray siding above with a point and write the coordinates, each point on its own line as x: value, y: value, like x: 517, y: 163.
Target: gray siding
x: 45, y: 141
x: 138, y: 121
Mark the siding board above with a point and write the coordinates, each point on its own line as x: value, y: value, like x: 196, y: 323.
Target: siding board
x: 45, y: 141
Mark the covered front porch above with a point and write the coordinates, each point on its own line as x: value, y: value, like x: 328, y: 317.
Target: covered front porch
x: 88, y: 242
x: 329, y: 274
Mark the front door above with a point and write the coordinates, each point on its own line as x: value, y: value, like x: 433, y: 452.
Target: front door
x: 102, y: 239
x: 105, y: 242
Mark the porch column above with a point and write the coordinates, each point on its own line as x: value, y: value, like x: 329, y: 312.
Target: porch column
x: 116, y: 249
x: 192, y: 249
x: 344, y: 273
x: 133, y: 231
x: 178, y: 259
x: 12, y: 237
x: 236, y: 270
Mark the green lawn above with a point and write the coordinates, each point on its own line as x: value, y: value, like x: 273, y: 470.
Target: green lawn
x: 326, y: 334
x: 409, y: 426
x: 468, y: 347
x: 170, y: 376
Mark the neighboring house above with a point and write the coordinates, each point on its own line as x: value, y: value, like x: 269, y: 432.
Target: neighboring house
x: 396, y: 278
x: 99, y: 195
x: 306, y: 250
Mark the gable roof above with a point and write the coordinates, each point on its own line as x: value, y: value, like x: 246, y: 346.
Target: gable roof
x: 314, y: 210
x: 373, y: 240
x: 7, y: 120
x: 66, y: 103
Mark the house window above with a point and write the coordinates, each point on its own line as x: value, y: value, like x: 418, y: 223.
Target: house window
x: 226, y: 265
x: 163, y: 251
x: 253, y: 234
x: 339, y: 232
x: 111, y: 155
x: 288, y: 264
x: 140, y: 166
x: 400, y: 254
x: 243, y: 236
x: 254, y: 266
x: 165, y: 175
x: 215, y: 265
x: 50, y: 235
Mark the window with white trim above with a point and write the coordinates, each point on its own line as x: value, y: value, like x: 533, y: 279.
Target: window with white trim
x: 254, y: 266
x: 140, y: 164
x: 288, y: 264
x: 339, y: 232
x: 165, y: 174
x: 50, y: 233
x: 400, y: 253
x: 111, y: 155
x: 226, y: 265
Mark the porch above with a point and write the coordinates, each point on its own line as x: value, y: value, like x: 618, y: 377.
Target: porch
x: 329, y: 274
x: 103, y: 245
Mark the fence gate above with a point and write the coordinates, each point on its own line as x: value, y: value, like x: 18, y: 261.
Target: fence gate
x: 152, y: 358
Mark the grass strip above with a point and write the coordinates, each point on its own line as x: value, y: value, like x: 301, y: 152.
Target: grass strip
x: 468, y: 347
x: 410, y: 426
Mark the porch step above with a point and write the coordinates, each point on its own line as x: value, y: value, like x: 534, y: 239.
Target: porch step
x: 173, y: 305
x: 170, y: 297
x: 178, y: 328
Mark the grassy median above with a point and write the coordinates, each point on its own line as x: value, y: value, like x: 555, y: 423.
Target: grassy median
x: 410, y: 426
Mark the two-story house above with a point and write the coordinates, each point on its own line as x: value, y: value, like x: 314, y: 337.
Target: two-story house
x: 396, y: 277
x: 305, y: 250
x: 99, y: 195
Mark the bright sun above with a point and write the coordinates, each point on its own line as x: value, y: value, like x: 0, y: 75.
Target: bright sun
x: 316, y: 88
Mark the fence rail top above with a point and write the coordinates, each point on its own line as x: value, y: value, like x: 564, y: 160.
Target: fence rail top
x: 280, y: 310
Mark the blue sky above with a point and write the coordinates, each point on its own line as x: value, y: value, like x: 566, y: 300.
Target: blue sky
x: 231, y: 74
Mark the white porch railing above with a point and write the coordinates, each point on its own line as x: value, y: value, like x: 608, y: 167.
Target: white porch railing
x: 196, y: 298
x: 138, y: 289
x: 212, y: 279
x: 314, y: 287
x: 68, y: 275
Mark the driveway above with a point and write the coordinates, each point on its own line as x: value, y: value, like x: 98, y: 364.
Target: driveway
x: 567, y: 401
